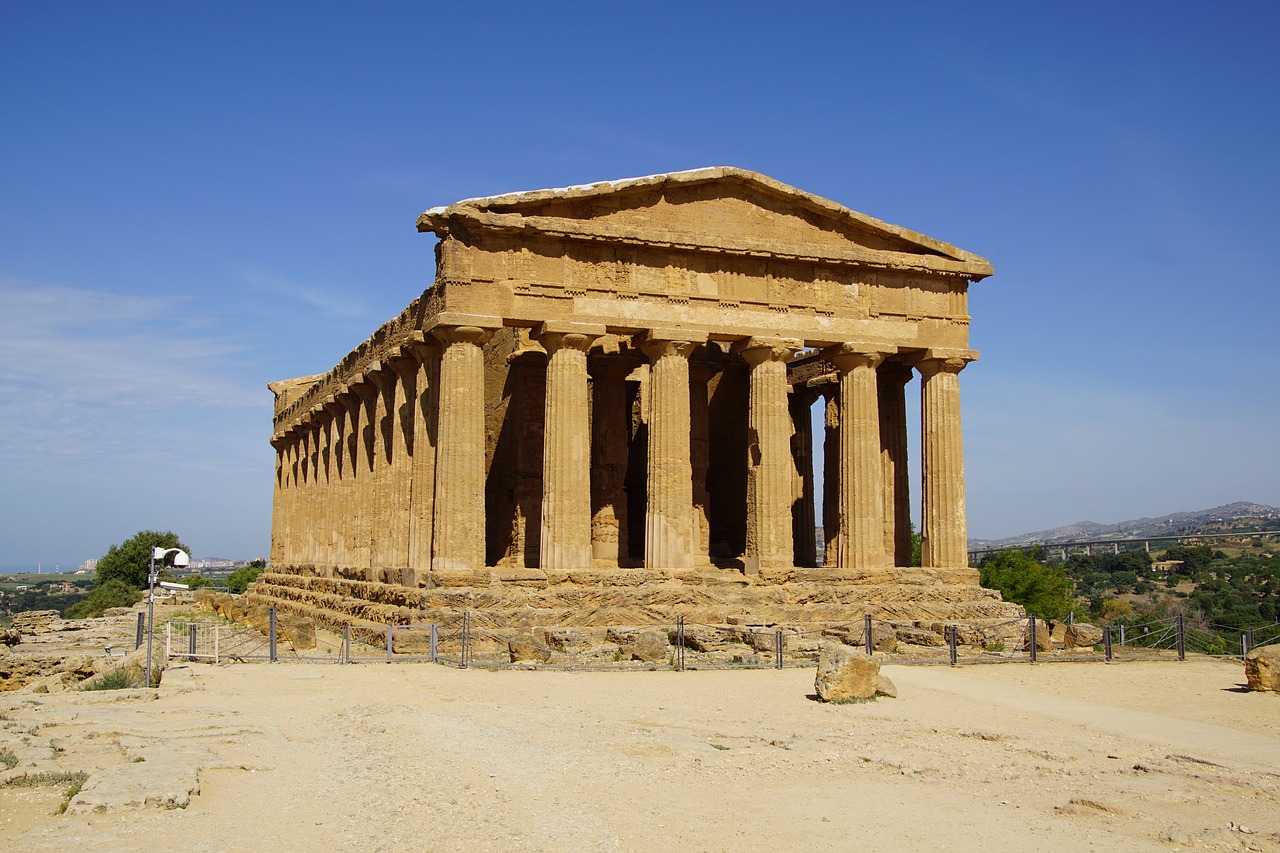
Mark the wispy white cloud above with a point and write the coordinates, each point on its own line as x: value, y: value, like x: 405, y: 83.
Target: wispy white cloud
x: 89, y: 372
x: 339, y: 303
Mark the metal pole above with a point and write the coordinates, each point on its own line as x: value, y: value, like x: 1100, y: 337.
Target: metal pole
x: 466, y: 637
x: 867, y: 643
x: 389, y: 630
x: 151, y: 609
x: 680, y: 643
x: 1122, y: 635
x: 271, y: 633
x: 1106, y: 642
x: 435, y: 643
x: 142, y: 629
x: 346, y: 644
x: 1182, y: 646
x: 1033, y: 637
x: 951, y: 641
x: 1249, y: 633
x: 777, y: 648
x: 191, y: 643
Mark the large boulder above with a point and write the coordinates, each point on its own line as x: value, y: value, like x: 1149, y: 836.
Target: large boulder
x: 1262, y: 668
x: 1081, y: 636
x: 521, y: 649
x: 647, y: 646
x: 846, y: 673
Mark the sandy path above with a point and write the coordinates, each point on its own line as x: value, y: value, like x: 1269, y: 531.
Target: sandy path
x: 1134, y: 756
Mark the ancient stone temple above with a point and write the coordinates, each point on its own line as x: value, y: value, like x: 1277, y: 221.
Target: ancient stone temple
x: 600, y: 410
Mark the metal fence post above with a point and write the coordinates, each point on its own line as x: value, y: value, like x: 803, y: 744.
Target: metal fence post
x: 951, y: 642
x: 271, y: 633
x: 680, y: 644
x: 466, y: 637
x: 1032, y: 617
x: 191, y: 643
x: 346, y: 644
x: 1249, y: 645
x: 435, y: 643
x: 142, y: 627
x: 1182, y: 646
x: 777, y: 649
x: 1106, y: 642
x: 390, y: 629
x: 867, y: 643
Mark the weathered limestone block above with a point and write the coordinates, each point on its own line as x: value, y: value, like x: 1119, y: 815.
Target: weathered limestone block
x: 921, y: 637
x: 35, y: 621
x: 1044, y: 638
x: 700, y: 638
x: 883, y: 638
x: 886, y: 688
x: 10, y: 637
x: 845, y: 673
x: 1262, y: 668
x: 298, y: 631
x: 647, y: 646
x: 411, y: 641
x: 567, y: 641
x: 527, y: 648
x: 1081, y: 636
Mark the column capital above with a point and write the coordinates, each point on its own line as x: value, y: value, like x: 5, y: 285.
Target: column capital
x: 941, y: 360
x: 554, y: 335
x: 682, y: 342
x: 850, y: 355
x: 756, y: 350
x: 449, y: 335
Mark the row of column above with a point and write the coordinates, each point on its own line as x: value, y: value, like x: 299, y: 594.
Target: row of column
x: 389, y: 473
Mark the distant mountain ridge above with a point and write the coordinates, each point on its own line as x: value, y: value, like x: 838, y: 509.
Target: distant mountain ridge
x: 1173, y: 524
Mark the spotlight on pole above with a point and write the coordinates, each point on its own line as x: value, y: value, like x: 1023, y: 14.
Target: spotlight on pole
x: 180, y: 559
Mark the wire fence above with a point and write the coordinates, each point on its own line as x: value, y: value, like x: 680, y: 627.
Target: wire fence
x: 479, y: 639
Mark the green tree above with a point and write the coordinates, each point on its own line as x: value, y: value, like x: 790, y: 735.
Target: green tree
x: 1022, y: 579
x: 113, y: 593
x: 239, y: 580
x: 128, y: 561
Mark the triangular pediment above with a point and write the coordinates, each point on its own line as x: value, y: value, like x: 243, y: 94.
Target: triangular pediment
x: 720, y: 209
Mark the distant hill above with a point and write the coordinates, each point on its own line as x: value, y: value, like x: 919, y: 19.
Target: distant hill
x: 1219, y: 519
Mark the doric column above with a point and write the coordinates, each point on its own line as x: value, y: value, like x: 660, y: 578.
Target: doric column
x: 458, y: 536
x: 426, y: 354
x: 337, y: 414
x: 400, y: 420
x: 610, y: 424
x: 891, y: 383
x: 565, y: 541
x: 700, y: 374
x: 359, y: 496
x: 668, y: 534
x: 382, y: 414
x: 302, y: 511
x: 861, y: 495
x: 943, y: 527
x: 280, y: 442
x: 320, y: 505
x: 804, y: 520
x: 770, y: 472
x: 831, y: 474
x: 346, y: 522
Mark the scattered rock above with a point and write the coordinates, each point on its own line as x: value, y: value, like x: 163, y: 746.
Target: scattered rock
x: 641, y: 645
x: 1262, y: 668
x: 10, y: 637
x: 845, y: 673
x: 886, y: 688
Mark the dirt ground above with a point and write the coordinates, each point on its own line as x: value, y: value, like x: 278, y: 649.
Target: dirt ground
x: 1081, y: 756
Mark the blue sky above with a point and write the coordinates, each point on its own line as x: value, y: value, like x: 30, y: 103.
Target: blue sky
x: 198, y: 199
